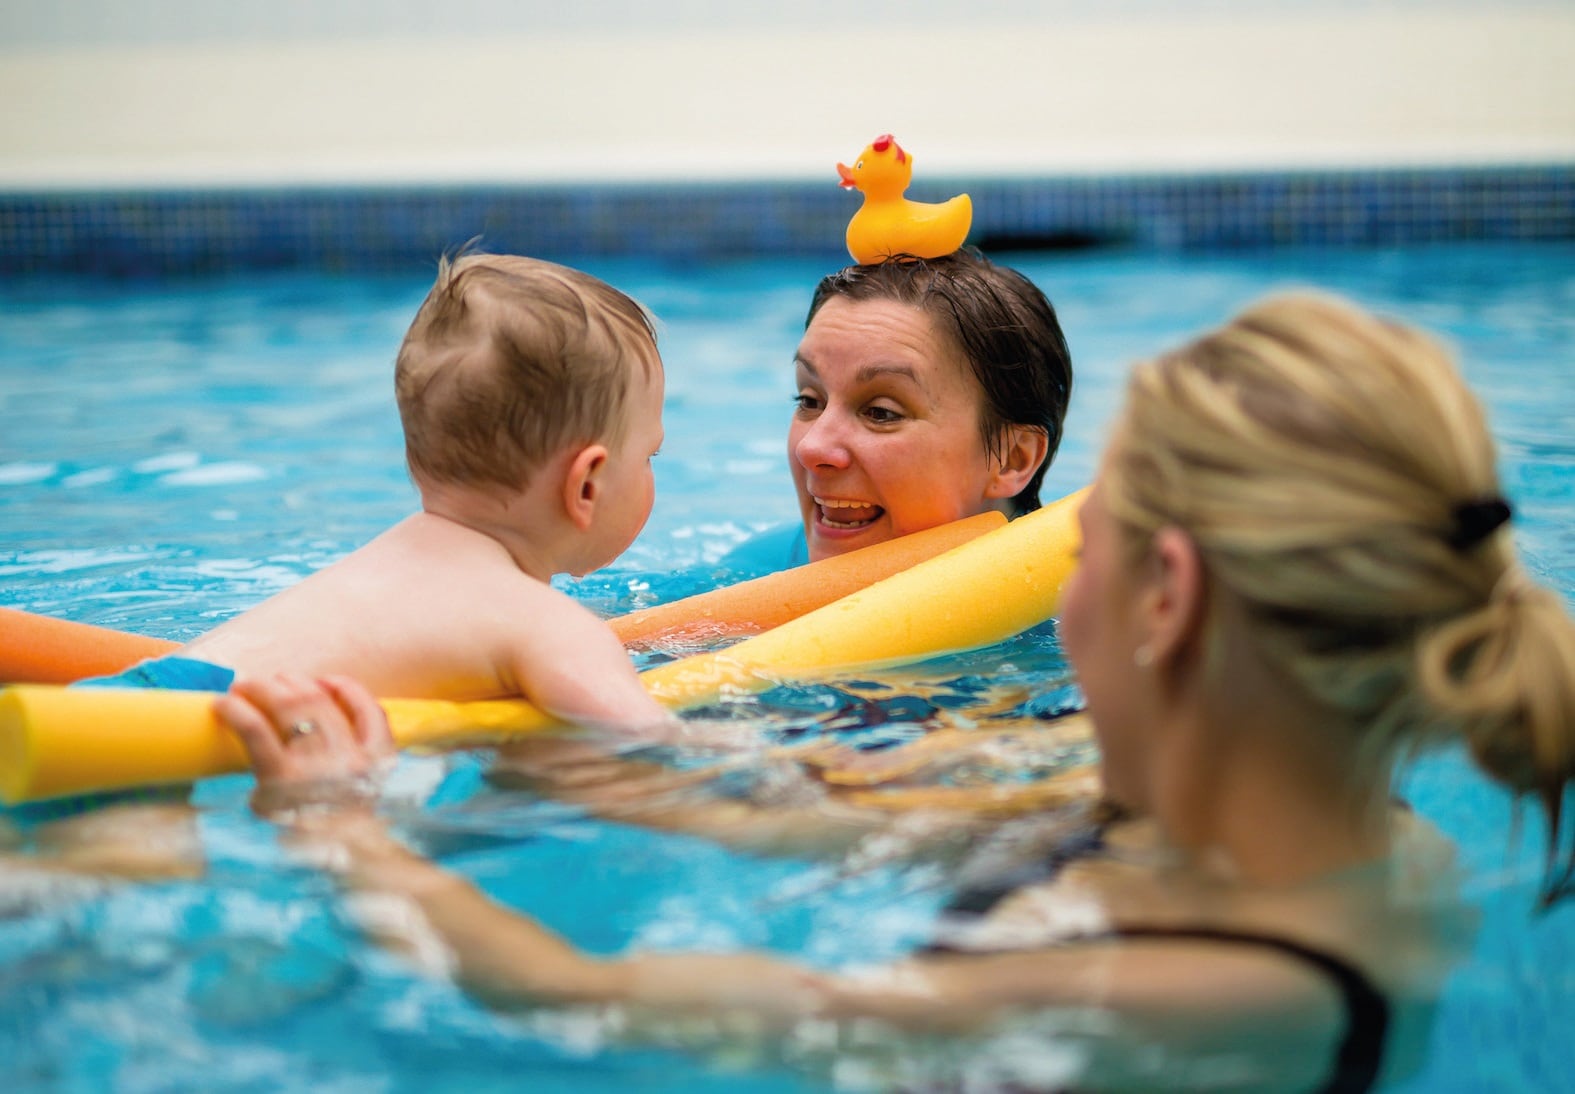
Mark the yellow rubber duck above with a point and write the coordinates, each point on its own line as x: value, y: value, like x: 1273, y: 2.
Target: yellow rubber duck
x: 889, y: 224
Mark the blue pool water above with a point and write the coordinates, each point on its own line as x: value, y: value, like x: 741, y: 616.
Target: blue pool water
x: 172, y: 453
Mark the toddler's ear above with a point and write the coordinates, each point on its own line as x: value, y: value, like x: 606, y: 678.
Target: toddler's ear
x: 582, y: 484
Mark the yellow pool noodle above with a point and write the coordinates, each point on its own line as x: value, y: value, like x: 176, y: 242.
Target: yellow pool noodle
x: 974, y: 595
x: 57, y: 741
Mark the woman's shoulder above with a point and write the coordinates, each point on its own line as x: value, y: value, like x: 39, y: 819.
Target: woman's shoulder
x: 1330, y: 979
x: 1399, y: 921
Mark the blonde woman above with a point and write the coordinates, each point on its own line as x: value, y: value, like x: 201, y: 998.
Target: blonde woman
x: 1296, y: 568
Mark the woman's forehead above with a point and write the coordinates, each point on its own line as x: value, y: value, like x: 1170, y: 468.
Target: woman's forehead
x: 843, y: 311
x: 876, y: 337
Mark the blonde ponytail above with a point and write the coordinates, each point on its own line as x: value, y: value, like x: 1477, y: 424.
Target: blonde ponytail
x: 1505, y: 673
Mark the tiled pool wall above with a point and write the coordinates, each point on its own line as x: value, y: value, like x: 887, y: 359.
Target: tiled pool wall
x: 184, y: 231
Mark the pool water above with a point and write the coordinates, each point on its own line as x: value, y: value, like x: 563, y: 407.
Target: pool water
x: 171, y: 453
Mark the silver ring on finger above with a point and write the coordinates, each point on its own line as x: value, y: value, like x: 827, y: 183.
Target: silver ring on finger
x: 303, y: 727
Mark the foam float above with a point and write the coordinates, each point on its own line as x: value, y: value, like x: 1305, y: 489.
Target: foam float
x: 57, y: 741
x: 770, y: 601
x: 975, y: 595
x: 41, y: 649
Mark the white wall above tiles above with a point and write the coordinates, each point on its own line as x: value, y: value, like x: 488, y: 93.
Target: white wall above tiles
x: 105, y: 93
x: 142, y: 22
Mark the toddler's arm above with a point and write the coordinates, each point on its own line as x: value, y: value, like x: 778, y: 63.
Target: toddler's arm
x: 576, y: 669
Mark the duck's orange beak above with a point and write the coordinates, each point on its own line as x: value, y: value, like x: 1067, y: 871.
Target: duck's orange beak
x: 846, y: 172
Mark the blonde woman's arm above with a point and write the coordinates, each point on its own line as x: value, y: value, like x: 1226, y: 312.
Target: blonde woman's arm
x: 1272, y: 1021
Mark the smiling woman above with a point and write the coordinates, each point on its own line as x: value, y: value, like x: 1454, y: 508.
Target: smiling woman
x: 928, y: 390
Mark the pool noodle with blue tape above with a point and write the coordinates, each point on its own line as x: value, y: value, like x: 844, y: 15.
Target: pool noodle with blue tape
x: 42, y: 649
x: 57, y: 741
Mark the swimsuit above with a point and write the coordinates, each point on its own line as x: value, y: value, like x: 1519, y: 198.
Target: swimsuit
x: 780, y: 547
x: 1360, y: 1054
x: 171, y: 673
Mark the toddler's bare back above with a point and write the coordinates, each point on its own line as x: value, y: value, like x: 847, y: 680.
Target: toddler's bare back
x: 430, y: 608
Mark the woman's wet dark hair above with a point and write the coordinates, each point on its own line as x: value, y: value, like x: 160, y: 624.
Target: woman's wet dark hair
x: 999, y: 321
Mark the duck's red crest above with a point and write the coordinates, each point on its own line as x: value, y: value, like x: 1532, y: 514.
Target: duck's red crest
x: 885, y: 141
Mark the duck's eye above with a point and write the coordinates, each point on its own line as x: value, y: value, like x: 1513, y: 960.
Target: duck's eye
x: 859, y: 166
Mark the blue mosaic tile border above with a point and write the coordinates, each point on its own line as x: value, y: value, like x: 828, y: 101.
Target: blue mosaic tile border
x: 174, y: 232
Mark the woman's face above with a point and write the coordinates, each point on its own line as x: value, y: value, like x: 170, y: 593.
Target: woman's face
x: 1097, y: 627
x: 885, y: 440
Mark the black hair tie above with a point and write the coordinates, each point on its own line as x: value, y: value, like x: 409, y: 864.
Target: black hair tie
x: 1476, y: 520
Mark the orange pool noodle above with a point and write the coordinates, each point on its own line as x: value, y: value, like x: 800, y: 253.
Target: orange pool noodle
x: 40, y: 649
x: 769, y: 601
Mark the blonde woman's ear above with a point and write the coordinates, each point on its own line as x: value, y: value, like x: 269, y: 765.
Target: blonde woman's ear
x: 1174, y: 602
x: 582, y: 484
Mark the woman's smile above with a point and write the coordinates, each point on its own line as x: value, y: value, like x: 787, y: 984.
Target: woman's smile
x: 846, y: 514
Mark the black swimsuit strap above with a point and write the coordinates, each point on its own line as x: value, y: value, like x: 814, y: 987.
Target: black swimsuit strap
x: 1367, y: 1011
x: 977, y: 901
x: 1361, y: 1050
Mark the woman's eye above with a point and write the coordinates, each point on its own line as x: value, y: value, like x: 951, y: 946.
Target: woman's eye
x: 806, y: 401
x: 883, y: 415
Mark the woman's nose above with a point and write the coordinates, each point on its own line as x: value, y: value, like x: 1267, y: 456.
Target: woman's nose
x: 823, y: 443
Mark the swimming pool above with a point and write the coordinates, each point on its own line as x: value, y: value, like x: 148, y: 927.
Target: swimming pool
x: 173, y: 452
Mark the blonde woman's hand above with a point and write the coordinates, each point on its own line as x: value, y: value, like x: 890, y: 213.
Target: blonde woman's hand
x: 304, y: 736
